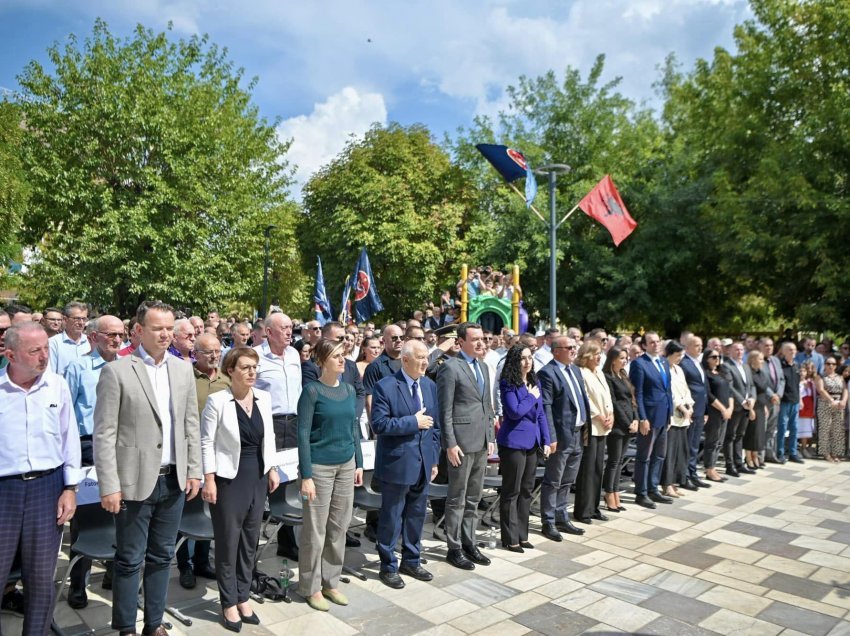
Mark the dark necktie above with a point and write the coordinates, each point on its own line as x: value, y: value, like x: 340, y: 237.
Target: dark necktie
x: 478, y: 376
x: 417, y: 405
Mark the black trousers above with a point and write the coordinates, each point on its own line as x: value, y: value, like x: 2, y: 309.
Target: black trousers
x: 733, y: 444
x: 589, y: 481
x: 676, y: 462
x: 616, y: 445
x: 518, y: 467
x: 237, y: 517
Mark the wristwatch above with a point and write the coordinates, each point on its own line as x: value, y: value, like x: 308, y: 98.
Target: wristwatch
x: 74, y: 487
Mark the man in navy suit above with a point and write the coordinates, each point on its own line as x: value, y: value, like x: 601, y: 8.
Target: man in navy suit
x: 650, y: 376
x: 698, y: 385
x: 568, y: 414
x: 406, y: 420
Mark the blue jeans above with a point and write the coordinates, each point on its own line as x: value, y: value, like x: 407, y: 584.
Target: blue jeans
x: 787, y: 421
x: 145, y: 531
x: 649, y: 460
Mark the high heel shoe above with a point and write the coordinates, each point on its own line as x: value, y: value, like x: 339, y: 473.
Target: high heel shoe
x: 249, y: 619
x: 233, y: 626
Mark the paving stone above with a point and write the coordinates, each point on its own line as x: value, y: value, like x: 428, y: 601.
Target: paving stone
x: 387, y: 621
x: 555, y: 620
x: 835, y: 524
x: 558, y: 567
x: 658, y: 533
x: 481, y: 591
x: 665, y: 626
x: 798, y: 618
x: 682, y: 607
x: 694, y: 554
x: 624, y: 589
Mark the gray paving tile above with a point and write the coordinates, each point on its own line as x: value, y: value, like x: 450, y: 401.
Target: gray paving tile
x: 797, y: 586
x: 666, y: 626
x: 763, y: 532
x: 683, y: 607
x: 778, y: 547
x: 835, y: 524
x: 798, y: 618
x: 679, y: 583
x: 625, y: 589
x: 785, y: 475
x: 554, y: 620
x: 685, y: 515
x: 559, y: 567
x: 822, y: 504
x: 771, y: 512
x: 657, y: 534
x: 481, y: 591
x: 361, y: 603
x: 694, y: 554
x: 388, y: 621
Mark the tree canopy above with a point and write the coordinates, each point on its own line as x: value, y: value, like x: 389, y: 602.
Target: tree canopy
x: 152, y: 173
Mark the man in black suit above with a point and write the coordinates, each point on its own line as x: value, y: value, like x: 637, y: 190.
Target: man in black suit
x: 776, y: 385
x: 568, y: 413
x: 698, y: 385
x: 466, y: 415
x: 740, y: 380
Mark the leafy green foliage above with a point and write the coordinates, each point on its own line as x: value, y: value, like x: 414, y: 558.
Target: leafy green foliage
x: 14, y: 188
x: 396, y: 193
x: 152, y: 174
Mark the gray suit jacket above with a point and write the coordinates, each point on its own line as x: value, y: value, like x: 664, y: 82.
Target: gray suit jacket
x: 778, y: 387
x: 128, y: 430
x: 736, y: 383
x: 466, y: 416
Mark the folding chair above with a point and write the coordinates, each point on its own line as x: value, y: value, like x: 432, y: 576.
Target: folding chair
x: 365, y: 498
x: 195, y: 524
x: 284, y: 508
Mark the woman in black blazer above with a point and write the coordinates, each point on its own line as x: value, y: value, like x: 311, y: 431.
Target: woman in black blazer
x: 625, y: 424
x: 719, y: 411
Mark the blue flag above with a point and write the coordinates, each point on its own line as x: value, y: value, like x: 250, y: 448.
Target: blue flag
x: 512, y: 165
x: 321, y: 304
x: 366, y: 300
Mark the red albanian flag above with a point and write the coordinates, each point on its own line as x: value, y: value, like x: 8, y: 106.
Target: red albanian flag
x: 604, y: 204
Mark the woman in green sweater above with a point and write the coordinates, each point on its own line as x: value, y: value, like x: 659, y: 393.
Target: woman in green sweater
x: 331, y: 465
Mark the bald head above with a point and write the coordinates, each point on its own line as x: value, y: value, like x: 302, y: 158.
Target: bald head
x: 207, y: 353
x: 278, y: 332
x: 108, y: 336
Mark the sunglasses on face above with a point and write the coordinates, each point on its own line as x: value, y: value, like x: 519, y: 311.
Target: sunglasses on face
x: 397, y: 338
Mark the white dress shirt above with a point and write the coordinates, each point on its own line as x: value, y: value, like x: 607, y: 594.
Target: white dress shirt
x: 280, y: 376
x: 574, y: 391
x: 158, y: 375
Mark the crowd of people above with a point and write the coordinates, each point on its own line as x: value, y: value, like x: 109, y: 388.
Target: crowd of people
x: 167, y: 407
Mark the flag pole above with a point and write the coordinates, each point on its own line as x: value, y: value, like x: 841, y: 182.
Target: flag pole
x: 567, y: 215
x: 522, y: 196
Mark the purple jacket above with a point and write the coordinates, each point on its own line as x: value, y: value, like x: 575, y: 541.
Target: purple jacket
x: 524, y: 424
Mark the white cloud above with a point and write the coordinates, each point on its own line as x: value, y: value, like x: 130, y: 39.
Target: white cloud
x: 320, y: 136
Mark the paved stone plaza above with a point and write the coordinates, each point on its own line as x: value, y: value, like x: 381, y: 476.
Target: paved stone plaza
x: 762, y: 554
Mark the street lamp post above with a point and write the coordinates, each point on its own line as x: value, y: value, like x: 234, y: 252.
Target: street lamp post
x: 552, y: 170
x: 267, y: 233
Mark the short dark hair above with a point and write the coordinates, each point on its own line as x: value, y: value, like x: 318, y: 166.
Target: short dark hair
x: 147, y: 306
x: 463, y: 327
x: 14, y: 310
x: 49, y: 309
x: 551, y: 331
x: 672, y: 347
x: 408, y: 333
x: 331, y: 324
x: 232, y: 357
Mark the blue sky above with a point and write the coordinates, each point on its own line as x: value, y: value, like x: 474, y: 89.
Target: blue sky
x: 328, y: 70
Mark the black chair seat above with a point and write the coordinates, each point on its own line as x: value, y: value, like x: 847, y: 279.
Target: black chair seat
x: 195, y: 523
x: 96, y: 532
x: 285, y: 505
x: 438, y: 491
x: 365, y: 496
x: 492, y: 481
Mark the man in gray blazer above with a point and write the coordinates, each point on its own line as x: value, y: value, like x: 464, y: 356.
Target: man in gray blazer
x: 466, y: 413
x: 740, y: 380
x: 776, y: 387
x: 147, y: 454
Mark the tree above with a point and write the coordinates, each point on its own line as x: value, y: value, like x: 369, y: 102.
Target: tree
x: 396, y: 193
x: 152, y: 174
x: 769, y: 129
x: 14, y: 189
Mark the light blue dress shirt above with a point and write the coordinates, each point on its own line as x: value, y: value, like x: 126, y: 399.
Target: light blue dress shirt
x: 280, y: 376
x: 64, y: 351
x: 82, y: 377
x: 39, y: 430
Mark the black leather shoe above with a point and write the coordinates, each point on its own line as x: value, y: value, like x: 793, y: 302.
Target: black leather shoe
x: 526, y: 545
x: 657, y: 497
x: 646, y: 502
x: 797, y: 459
x: 513, y: 548
x: 730, y: 470
x: 551, y: 533
x: 187, y: 579
x: 370, y: 533
x: 568, y: 527
x: 77, y: 598
x: 688, y: 486
x: 745, y: 470
x: 457, y: 559
x: 474, y: 554
x: 699, y: 483
x: 250, y: 619
x: 416, y: 571
x: 206, y: 572
x: 586, y: 520
x: 599, y: 516
x: 233, y: 626
x: 351, y: 541
x: 391, y: 579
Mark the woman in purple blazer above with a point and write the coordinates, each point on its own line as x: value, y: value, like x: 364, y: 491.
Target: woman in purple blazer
x: 522, y: 434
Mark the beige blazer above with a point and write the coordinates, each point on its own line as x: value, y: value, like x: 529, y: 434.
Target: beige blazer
x: 128, y: 430
x: 599, y: 397
x: 681, y: 395
x: 220, y: 444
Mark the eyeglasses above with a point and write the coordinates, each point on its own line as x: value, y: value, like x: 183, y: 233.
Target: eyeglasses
x: 315, y: 328
x: 397, y: 338
x: 570, y: 347
x: 111, y: 334
x: 829, y: 364
x: 77, y: 318
x: 3, y: 330
x: 714, y: 357
x: 212, y: 353
x: 488, y: 338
